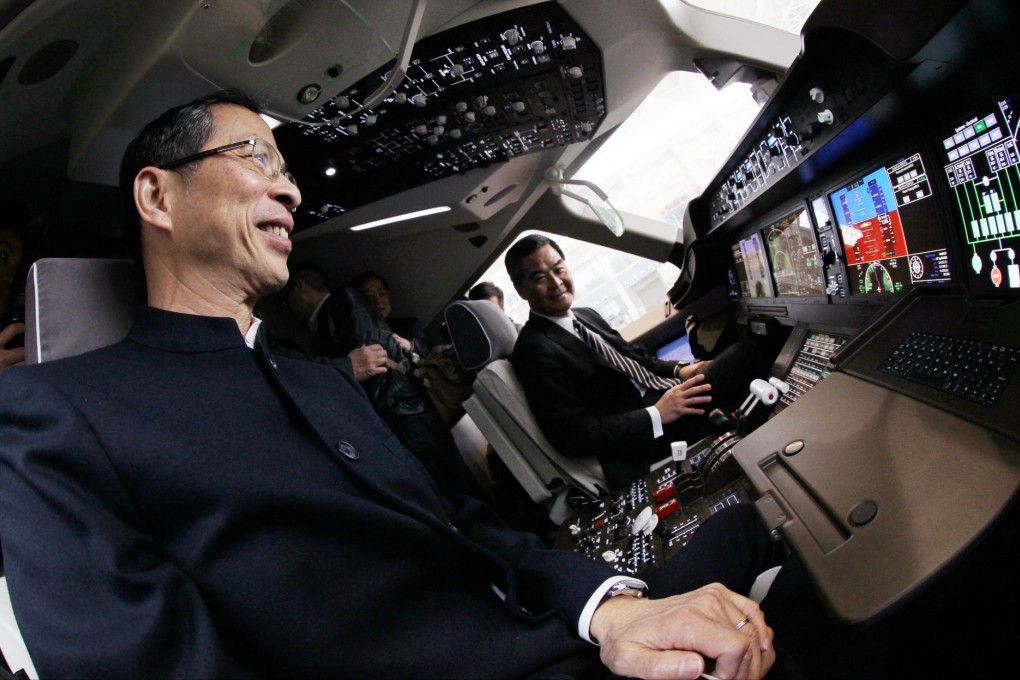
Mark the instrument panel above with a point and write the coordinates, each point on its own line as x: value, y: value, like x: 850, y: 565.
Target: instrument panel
x: 636, y: 529
x: 481, y: 93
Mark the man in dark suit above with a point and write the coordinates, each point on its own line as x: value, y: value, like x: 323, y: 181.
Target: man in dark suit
x: 591, y: 401
x: 186, y: 504
x: 342, y: 327
x: 349, y: 332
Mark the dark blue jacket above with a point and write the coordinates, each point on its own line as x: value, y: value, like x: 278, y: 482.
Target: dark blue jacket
x: 180, y: 505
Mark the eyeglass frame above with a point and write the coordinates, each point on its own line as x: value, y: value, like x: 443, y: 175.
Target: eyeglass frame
x: 230, y: 147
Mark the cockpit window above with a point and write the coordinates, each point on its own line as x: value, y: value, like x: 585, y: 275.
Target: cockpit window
x: 668, y: 150
x: 786, y: 15
x: 621, y: 286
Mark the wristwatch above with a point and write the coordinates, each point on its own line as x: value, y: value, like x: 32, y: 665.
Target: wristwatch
x: 625, y: 588
x: 680, y: 365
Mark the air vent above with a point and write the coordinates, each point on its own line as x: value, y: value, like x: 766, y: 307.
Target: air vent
x: 478, y: 241
x: 466, y: 227
x: 286, y: 28
x: 500, y: 195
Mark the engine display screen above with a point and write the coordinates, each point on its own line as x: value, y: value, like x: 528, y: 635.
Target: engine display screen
x: 981, y: 169
x: 793, y: 253
x: 889, y: 229
x: 751, y: 268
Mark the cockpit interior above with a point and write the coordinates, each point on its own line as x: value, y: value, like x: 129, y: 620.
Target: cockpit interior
x: 861, y: 226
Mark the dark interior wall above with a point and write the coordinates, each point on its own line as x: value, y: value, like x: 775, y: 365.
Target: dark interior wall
x: 67, y: 218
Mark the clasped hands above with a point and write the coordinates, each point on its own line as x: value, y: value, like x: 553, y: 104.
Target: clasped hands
x: 368, y: 361
x: 672, y: 637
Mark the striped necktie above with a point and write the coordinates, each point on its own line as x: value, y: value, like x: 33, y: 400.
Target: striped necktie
x: 626, y: 365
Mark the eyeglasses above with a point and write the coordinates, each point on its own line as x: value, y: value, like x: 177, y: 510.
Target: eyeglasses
x: 265, y: 157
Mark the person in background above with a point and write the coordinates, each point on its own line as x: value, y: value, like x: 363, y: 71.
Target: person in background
x: 407, y: 330
x: 350, y: 332
x: 344, y: 328
x: 487, y: 290
x: 12, y: 308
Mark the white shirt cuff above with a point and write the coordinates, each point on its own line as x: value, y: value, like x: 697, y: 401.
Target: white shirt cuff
x: 584, y: 623
x: 656, y: 421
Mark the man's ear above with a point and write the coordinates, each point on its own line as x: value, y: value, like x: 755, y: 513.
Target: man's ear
x: 152, y: 198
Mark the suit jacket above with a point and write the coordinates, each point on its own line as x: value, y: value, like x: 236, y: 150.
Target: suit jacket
x: 180, y: 505
x: 585, y: 405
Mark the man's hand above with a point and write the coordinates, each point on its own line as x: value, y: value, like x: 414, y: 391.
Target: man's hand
x: 14, y: 356
x: 683, y: 400
x: 691, y: 370
x: 672, y: 637
x: 368, y: 361
x: 404, y: 343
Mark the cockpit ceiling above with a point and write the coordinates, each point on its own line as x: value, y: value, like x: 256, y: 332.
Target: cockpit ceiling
x: 481, y: 93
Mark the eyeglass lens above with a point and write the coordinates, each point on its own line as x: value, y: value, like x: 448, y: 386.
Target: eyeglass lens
x: 268, y: 160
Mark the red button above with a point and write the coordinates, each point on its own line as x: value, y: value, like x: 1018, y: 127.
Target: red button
x: 667, y: 508
x: 664, y: 492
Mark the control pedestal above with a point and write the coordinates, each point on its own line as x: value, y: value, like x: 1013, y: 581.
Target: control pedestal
x: 637, y: 529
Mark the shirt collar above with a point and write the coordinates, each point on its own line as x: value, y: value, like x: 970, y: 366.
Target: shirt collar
x: 253, y: 331
x: 185, y: 333
x: 564, y: 322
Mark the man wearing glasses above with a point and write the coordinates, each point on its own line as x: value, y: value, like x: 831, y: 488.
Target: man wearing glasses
x: 186, y: 504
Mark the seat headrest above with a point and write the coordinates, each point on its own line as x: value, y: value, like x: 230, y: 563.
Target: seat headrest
x: 481, y: 332
x: 76, y: 305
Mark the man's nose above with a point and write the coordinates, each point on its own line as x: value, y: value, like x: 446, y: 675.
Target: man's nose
x: 286, y: 192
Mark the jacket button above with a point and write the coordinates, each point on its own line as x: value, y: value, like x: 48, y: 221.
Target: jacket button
x: 348, y: 450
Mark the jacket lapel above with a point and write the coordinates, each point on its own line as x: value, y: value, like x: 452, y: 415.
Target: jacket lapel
x: 572, y: 344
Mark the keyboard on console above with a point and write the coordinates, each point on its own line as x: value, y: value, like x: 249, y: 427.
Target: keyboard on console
x: 978, y: 371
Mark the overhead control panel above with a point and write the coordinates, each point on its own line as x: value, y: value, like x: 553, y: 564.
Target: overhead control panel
x: 817, y: 104
x: 480, y: 93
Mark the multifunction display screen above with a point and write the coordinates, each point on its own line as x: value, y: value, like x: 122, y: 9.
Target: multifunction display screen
x: 888, y: 225
x: 751, y: 268
x: 793, y: 253
x: 981, y: 169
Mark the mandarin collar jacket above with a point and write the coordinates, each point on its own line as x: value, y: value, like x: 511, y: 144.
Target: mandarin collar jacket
x: 178, y: 504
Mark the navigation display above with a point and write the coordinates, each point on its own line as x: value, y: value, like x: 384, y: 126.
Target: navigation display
x: 793, y: 253
x: 751, y: 268
x: 984, y: 183
x: 889, y: 228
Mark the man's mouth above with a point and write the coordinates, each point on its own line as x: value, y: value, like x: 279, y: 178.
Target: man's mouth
x: 275, y: 230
